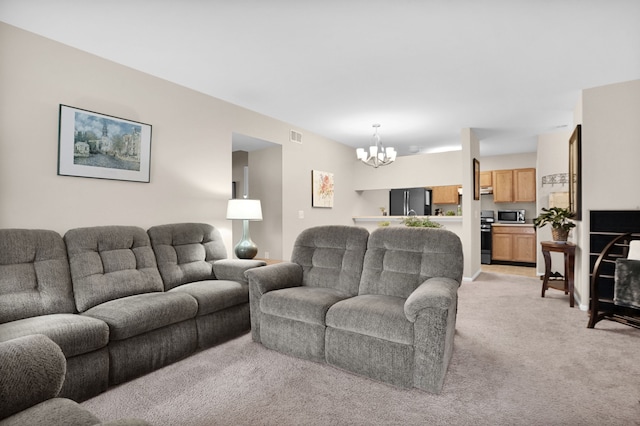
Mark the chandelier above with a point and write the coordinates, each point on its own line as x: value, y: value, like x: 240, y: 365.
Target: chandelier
x: 378, y: 155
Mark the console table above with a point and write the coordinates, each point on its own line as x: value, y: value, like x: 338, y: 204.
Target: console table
x: 569, y: 251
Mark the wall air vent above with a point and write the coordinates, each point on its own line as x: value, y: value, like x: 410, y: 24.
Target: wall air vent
x: 295, y: 136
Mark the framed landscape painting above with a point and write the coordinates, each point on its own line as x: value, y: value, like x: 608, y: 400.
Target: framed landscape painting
x: 101, y: 146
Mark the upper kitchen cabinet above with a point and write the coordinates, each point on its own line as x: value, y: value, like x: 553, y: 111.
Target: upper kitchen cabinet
x: 524, y: 190
x: 514, y: 186
x: 445, y: 194
x: 502, y: 186
x: 486, y: 179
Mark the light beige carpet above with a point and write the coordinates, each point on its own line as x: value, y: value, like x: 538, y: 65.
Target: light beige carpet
x: 519, y: 359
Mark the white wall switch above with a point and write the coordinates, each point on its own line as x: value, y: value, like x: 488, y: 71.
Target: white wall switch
x: 300, y: 214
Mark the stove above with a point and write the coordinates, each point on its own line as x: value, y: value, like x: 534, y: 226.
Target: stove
x: 487, y: 217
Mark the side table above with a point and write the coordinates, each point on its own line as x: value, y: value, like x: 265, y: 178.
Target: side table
x: 569, y: 251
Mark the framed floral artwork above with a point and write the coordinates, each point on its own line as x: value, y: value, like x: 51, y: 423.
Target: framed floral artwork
x: 321, y: 189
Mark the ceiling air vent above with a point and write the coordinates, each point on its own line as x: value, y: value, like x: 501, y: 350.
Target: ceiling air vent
x: 295, y: 136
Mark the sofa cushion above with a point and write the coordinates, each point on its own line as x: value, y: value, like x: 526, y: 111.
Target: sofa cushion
x: 134, y: 315
x: 75, y: 334
x: 34, y: 274
x: 399, y: 259
x: 331, y: 256
x: 185, y: 252
x: 215, y: 295
x: 306, y: 304
x: 373, y: 315
x: 109, y: 262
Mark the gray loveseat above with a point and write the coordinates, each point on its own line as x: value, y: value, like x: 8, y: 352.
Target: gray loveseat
x: 381, y: 305
x: 118, y: 300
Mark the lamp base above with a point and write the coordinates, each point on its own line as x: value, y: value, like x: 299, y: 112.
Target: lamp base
x: 246, y: 249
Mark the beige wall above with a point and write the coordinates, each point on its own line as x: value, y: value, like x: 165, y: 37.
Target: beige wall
x: 470, y: 207
x: 508, y: 161
x: 191, y: 152
x: 265, y: 179
x: 610, y: 152
x: 553, y: 158
x: 411, y: 171
x: 373, y: 185
x: 190, y: 160
x: 191, y: 147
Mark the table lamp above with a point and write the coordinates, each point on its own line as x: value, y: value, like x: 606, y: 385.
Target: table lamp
x: 245, y: 209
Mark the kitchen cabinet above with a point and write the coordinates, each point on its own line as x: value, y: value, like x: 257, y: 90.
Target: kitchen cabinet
x: 515, y: 243
x: 447, y: 194
x: 502, y: 186
x: 486, y: 179
x: 524, y: 189
x: 514, y: 186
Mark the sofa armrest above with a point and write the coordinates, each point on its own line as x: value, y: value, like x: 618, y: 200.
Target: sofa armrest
x: 234, y: 269
x: 33, y: 370
x: 435, y: 292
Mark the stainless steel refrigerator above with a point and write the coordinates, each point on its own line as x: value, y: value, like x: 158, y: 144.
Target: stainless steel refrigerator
x: 410, y: 201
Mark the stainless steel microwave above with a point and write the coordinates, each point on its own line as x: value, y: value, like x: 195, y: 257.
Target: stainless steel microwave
x: 511, y: 216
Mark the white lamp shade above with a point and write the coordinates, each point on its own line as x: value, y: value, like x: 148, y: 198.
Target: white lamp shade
x: 245, y: 209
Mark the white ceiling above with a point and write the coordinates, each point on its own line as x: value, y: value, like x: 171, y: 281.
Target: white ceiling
x: 510, y: 69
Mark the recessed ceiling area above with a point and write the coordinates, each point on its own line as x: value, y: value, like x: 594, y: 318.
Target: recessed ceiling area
x: 508, y: 69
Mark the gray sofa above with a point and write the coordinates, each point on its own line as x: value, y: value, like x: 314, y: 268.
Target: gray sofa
x: 118, y: 305
x: 36, y: 297
x: 381, y: 305
x: 32, y: 370
x: 192, y: 260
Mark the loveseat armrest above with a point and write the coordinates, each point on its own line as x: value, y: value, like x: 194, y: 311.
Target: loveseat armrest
x: 274, y: 277
x: 264, y: 280
x: 437, y: 292
x: 234, y: 269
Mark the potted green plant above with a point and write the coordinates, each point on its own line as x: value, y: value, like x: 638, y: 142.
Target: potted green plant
x: 559, y: 219
x: 419, y: 222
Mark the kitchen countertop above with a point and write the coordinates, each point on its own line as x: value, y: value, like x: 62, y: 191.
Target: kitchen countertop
x: 526, y: 225
x: 399, y: 218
